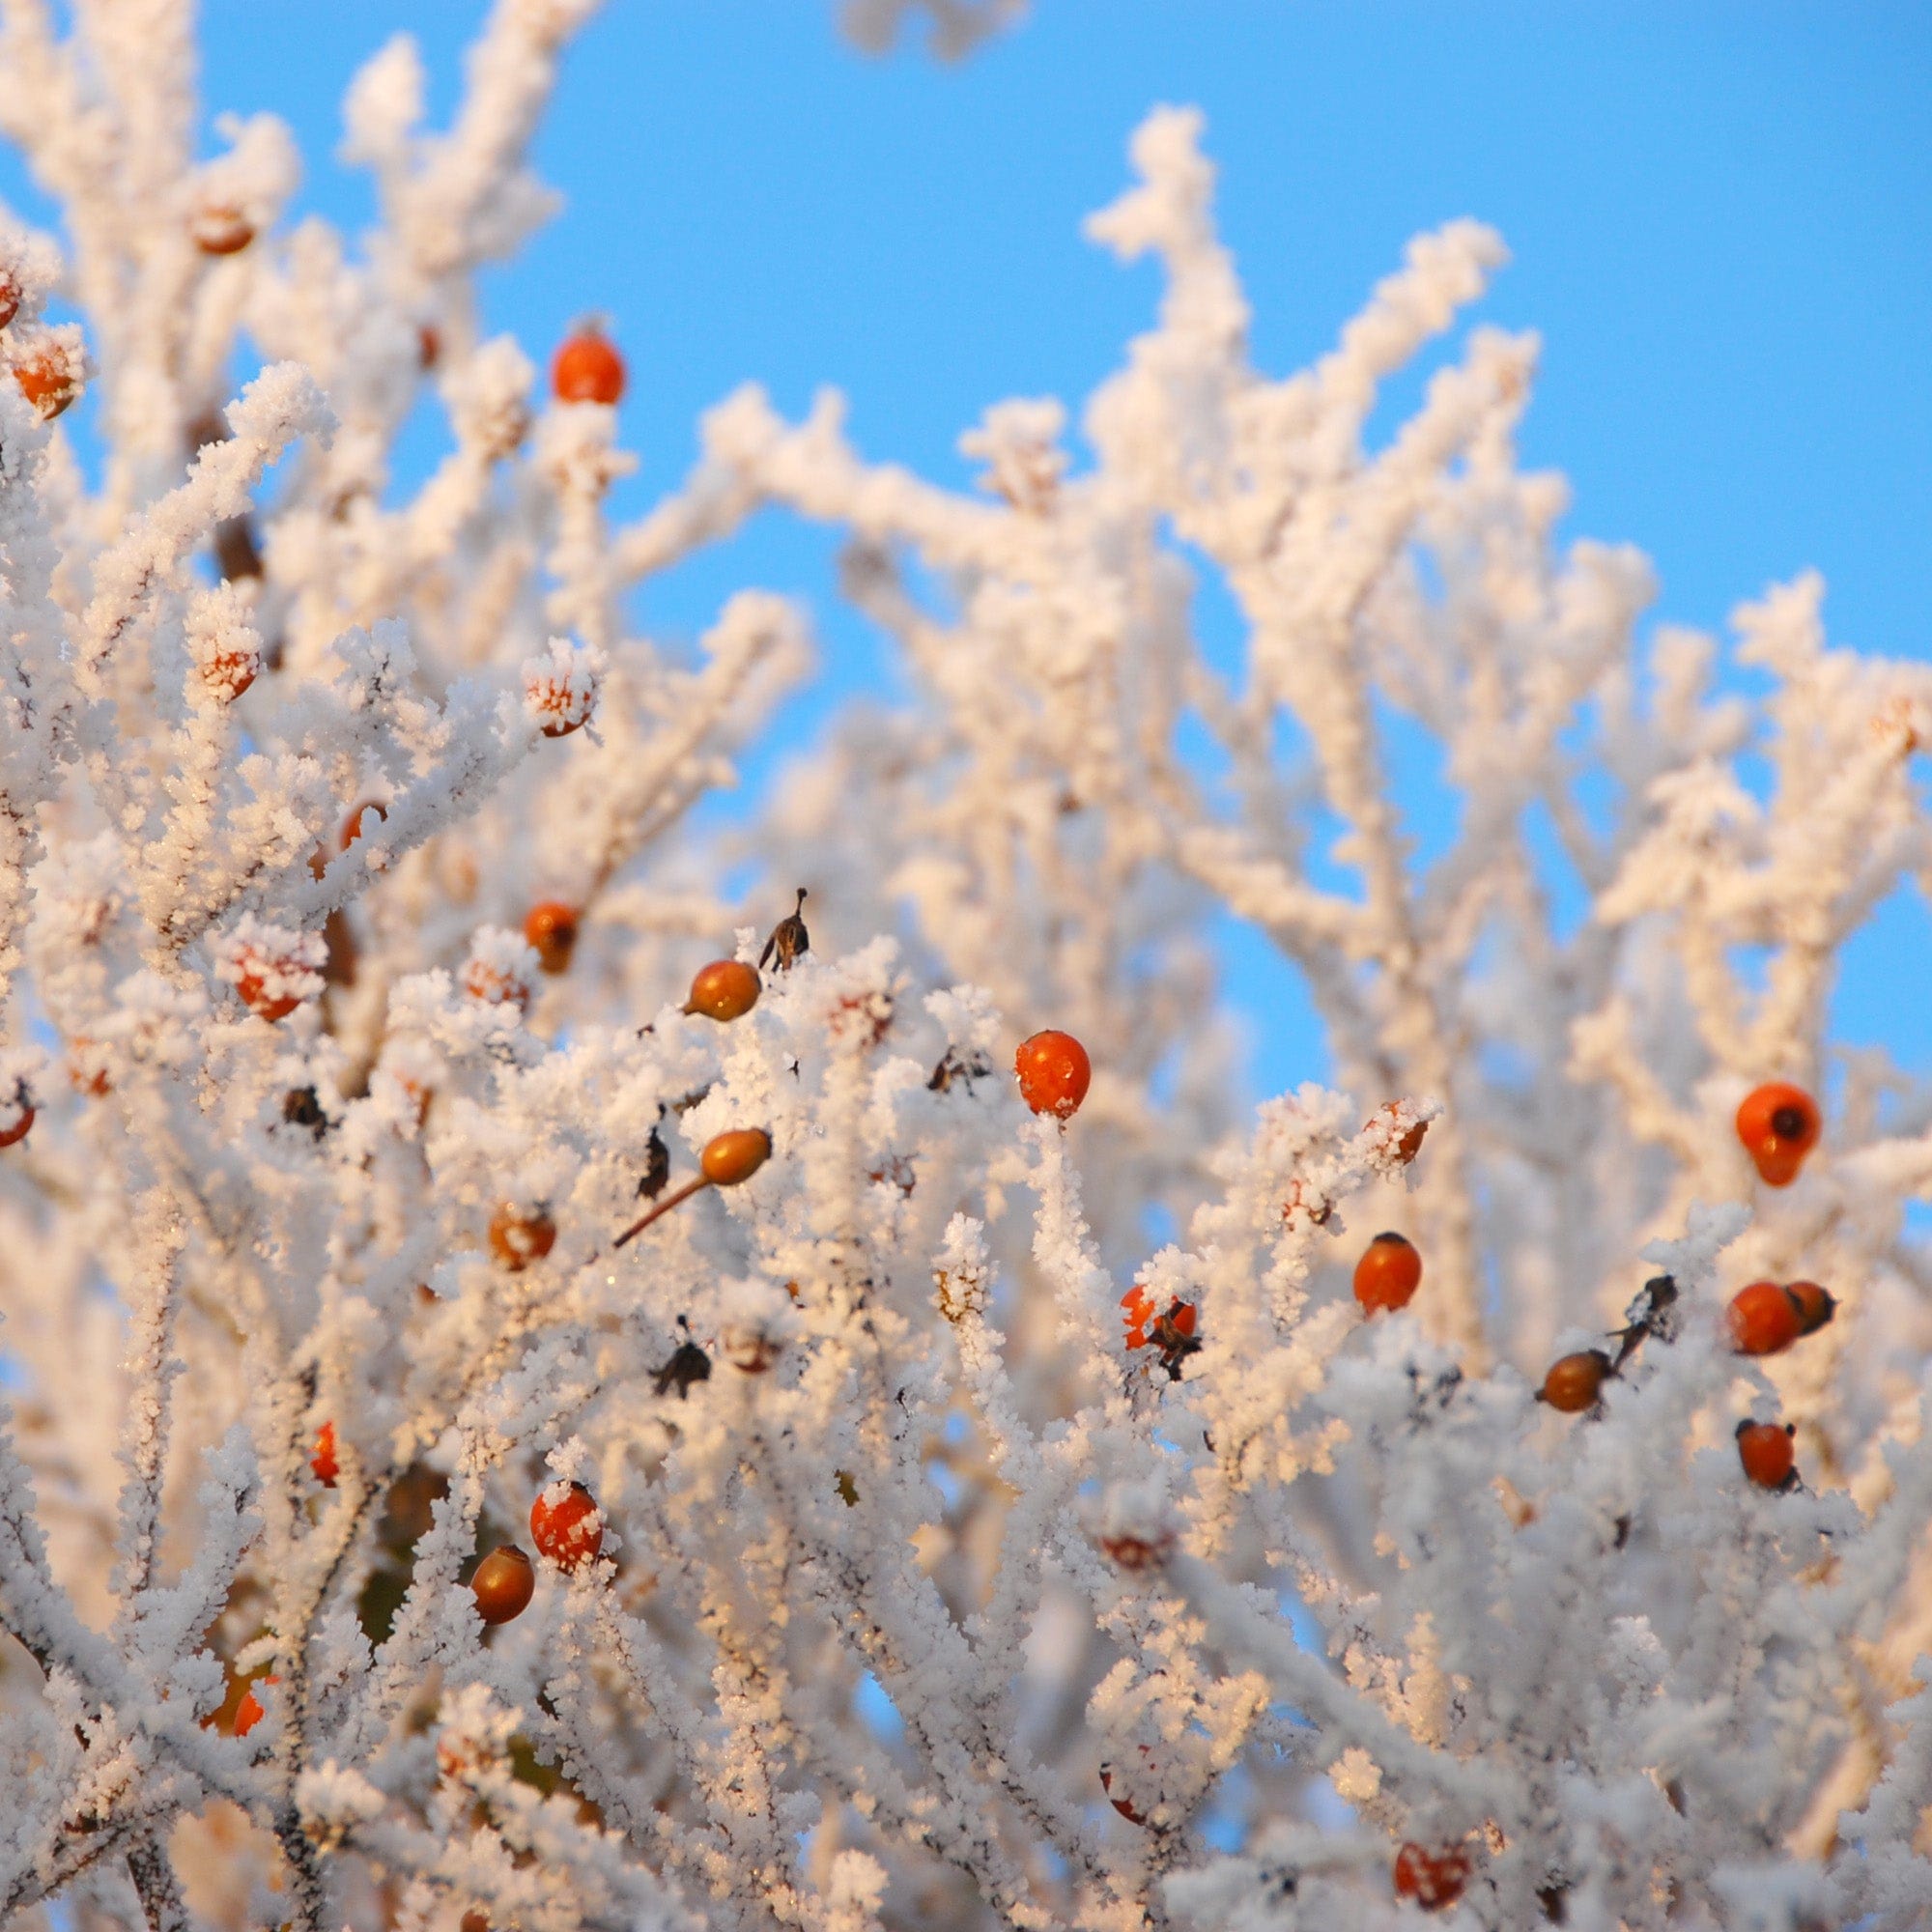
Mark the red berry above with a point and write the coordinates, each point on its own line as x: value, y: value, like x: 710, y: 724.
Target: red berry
x: 735, y: 1156
x: 1435, y: 1880
x: 1763, y: 1319
x: 1053, y: 1071
x: 727, y: 989
x: 19, y: 1130
x: 1388, y: 1272
x: 48, y: 380
x: 476, y: 1919
x: 9, y: 299
x: 323, y: 1461
x: 503, y: 1584
x: 550, y: 928
x: 1764, y: 1448
x: 1815, y: 1305
x: 570, y: 1531
x: 588, y: 369
x: 252, y: 990
x: 1574, y: 1381
x: 517, y: 1240
x: 248, y: 1714
x: 352, y: 826
x: 1778, y: 1124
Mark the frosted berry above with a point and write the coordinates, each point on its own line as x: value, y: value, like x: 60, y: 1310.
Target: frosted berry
x: 727, y: 989
x: 1765, y: 1450
x: 1763, y: 1319
x: 1435, y: 1880
x: 1816, y: 1306
x: 569, y: 1531
x: 1053, y: 1071
x: 250, y: 1713
x: 48, y: 380
x: 1388, y: 1273
x: 518, y: 1239
x: 550, y: 928
x: 1574, y: 1381
x: 9, y: 299
x: 252, y: 990
x: 221, y: 230
x: 503, y: 1584
x: 1778, y: 1124
x: 323, y: 1461
x: 588, y: 369
x: 735, y: 1156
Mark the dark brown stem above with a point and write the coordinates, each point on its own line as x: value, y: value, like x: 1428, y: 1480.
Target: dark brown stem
x: 663, y: 1207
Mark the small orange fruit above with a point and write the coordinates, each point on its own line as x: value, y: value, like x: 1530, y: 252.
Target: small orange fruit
x: 1763, y: 1319
x: 1574, y: 1381
x: 10, y: 1136
x: 322, y: 1462
x: 1765, y: 1450
x: 1388, y: 1273
x: 1815, y: 1305
x: 1052, y: 1071
x: 727, y: 989
x: 517, y: 1238
x: 1435, y: 1880
x: 48, y: 380
x: 588, y: 369
x: 503, y: 1584
x: 735, y: 1156
x: 550, y: 928
x: 1778, y: 1124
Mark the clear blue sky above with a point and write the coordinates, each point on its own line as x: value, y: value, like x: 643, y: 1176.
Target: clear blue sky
x: 1720, y: 215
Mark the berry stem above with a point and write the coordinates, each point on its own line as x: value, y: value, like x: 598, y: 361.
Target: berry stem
x: 663, y: 1207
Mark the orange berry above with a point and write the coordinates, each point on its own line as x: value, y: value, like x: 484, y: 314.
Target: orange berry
x: 221, y: 230
x: 550, y: 928
x: 1388, y: 1273
x: 352, y: 826
x: 517, y: 1240
x: 588, y: 369
x: 1435, y: 1880
x: 1764, y: 1448
x: 1574, y: 1381
x: 48, y: 380
x: 251, y: 988
x: 323, y: 1461
x: 503, y: 1584
x: 735, y: 1156
x: 476, y: 1919
x: 1053, y: 1071
x: 568, y: 1532
x: 248, y: 1714
x: 1778, y: 1124
x: 1763, y: 1319
x: 727, y: 989
x: 9, y: 1136
x: 1815, y: 1305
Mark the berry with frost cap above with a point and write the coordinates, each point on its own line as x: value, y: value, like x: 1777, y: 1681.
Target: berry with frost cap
x: 560, y: 690
x: 272, y: 968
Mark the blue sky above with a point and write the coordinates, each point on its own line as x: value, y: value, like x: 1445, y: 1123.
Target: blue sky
x: 1720, y: 216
